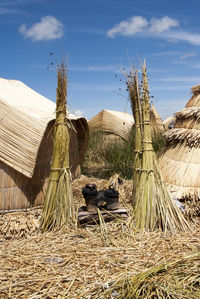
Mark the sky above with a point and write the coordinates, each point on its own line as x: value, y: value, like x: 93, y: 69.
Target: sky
x: 101, y: 40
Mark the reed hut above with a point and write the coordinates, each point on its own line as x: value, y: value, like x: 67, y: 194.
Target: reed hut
x: 26, y: 141
x: 180, y: 163
x: 156, y: 122
x: 115, y: 126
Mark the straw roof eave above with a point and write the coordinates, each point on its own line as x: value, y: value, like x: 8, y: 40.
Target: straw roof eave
x: 187, y: 113
x: 190, y: 137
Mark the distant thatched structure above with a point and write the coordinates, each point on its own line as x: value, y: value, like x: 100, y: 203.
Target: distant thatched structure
x: 114, y: 125
x: 26, y: 139
x: 156, y: 122
x: 180, y: 163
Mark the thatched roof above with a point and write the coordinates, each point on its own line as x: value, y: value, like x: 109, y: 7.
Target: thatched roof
x: 115, y: 122
x: 180, y: 163
x: 195, y: 99
x: 24, y: 117
x: 120, y: 123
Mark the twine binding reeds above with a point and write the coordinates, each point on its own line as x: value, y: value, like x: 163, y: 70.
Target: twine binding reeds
x: 58, y: 204
x: 153, y: 204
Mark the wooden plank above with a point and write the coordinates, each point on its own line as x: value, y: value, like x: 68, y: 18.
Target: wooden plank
x: 85, y: 217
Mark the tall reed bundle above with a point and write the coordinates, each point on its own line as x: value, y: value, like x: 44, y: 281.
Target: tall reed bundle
x: 153, y: 204
x: 58, y: 206
x: 134, y: 93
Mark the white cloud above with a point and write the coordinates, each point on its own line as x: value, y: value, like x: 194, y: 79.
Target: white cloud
x: 161, y: 28
x: 130, y: 27
x: 138, y: 24
x: 163, y: 24
x: 48, y: 28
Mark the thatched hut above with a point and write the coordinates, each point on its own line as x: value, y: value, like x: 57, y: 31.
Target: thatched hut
x: 180, y: 163
x: 26, y: 142
x: 115, y: 126
x: 156, y: 122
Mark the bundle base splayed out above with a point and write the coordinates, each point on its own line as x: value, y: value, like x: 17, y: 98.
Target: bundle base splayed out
x: 153, y: 204
x: 58, y: 207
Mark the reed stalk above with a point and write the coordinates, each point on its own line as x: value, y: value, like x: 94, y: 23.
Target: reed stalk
x: 58, y: 206
x: 153, y: 204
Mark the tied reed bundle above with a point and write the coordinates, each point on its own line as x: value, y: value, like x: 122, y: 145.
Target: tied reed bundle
x: 153, y: 204
x: 58, y: 203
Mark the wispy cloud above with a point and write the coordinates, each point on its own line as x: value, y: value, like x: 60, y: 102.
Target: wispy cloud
x: 171, y: 87
x: 5, y: 11
x: 181, y: 35
x: 48, y: 28
x: 164, y: 27
x: 178, y: 79
x: 165, y: 53
x: 101, y: 68
x: 187, y: 55
x: 85, y: 87
x: 18, y: 2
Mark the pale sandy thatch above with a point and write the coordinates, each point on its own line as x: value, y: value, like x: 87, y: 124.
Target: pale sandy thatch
x: 156, y: 121
x: 26, y: 134
x: 114, y: 125
x: 180, y: 163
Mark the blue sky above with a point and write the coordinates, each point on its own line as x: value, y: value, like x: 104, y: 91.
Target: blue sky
x: 100, y: 37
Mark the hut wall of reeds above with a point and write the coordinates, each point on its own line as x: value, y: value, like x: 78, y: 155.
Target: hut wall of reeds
x: 180, y: 162
x: 26, y: 143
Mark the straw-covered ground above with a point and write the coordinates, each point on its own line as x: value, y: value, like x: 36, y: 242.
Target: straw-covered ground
x: 97, y: 261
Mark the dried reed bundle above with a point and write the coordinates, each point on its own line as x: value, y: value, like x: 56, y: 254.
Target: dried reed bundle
x: 153, y: 204
x: 177, y: 279
x: 58, y: 204
x: 134, y: 93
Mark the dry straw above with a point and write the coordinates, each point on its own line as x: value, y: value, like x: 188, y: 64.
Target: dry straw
x: 176, y: 279
x: 58, y: 204
x: 153, y: 204
x: 80, y: 263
